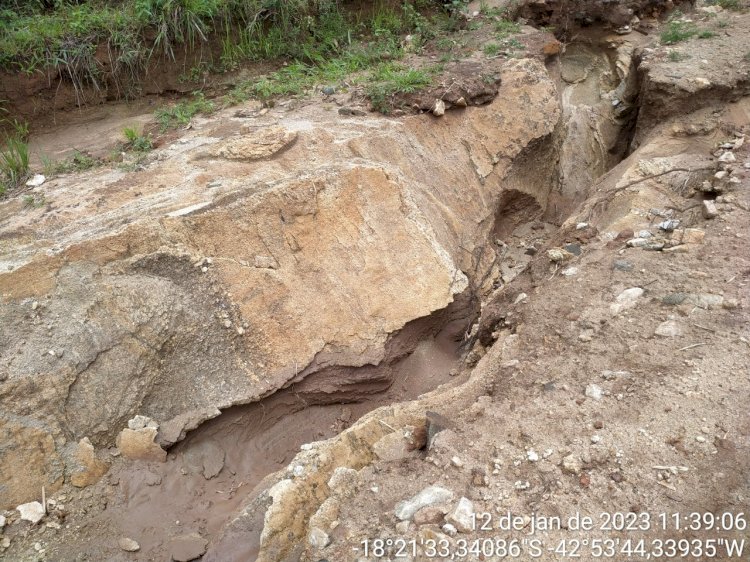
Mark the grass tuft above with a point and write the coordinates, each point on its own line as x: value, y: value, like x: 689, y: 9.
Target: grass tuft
x: 181, y: 113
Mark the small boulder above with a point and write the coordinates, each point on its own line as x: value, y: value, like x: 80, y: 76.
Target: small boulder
x: 438, y: 109
x: 431, y: 495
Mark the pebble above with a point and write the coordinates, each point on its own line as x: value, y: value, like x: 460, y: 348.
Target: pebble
x: 449, y: 530
x: 2, y: 522
x: 594, y: 391
x: 457, y: 462
x: 128, y: 545
x: 728, y: 157
x: 668, y: 329
x: 438, y: 109
x: 532, y: 455
x: 622, y: 265
x: 5, y: 542
x: 318, y: 538
x: 700, y: 439
x: 36, y: 180
x: 558, y: 255
x: 596, y: 439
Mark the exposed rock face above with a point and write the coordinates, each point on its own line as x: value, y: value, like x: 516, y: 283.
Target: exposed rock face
x: 257, y: 145
x: 90, y: 468
x: 153, y: 302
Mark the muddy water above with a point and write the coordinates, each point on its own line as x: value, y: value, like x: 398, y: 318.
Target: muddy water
x: 246, y: 443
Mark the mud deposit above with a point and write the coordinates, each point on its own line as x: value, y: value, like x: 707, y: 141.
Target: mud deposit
x: 215, y: 470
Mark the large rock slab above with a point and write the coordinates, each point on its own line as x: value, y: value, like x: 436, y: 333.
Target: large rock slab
x: 204, y: 282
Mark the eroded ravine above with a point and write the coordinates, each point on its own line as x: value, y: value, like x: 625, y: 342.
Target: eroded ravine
x: 461, y: 220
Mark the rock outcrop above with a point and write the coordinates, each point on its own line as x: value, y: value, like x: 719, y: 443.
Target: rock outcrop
x: 205, y: 282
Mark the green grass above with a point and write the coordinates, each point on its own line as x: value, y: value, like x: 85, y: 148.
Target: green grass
x: 676, y: 56
x: 506, y: 27
x: 14, y: 163
x: 181, y: 113
x: 79, y: 162
x: 491, y: 49
x: 14, y: 154
x: 677, y: 31
x: 389, y: 79
x: 706, y: 34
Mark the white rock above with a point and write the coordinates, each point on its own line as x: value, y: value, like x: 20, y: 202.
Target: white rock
x: 532, y: 455
x: 439, y: 109
x: 728, y: 157
x: 457, y: 462
x: 594, y: 391
x: 128, y: 545
x: 2, y: 521
x: 668, y: 329
x: 596, y: 439
x: 462, y: 516
x: 450, y: 530
x: 36, y: 180
x: 140, y: 422
x: 431, y: 495
x: 520, y: 298
x: 318, y: 538
x: 709, y: 209
x: 32, y: 511
x: 625, y: 300
x: 570, y: 271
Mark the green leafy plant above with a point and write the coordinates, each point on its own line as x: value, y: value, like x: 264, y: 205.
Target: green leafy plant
x: 706, y: 34
x: 137, y: 141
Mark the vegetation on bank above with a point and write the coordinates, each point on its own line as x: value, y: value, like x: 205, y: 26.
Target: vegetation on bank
x: 76, y: 35
x: 324, y: 45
